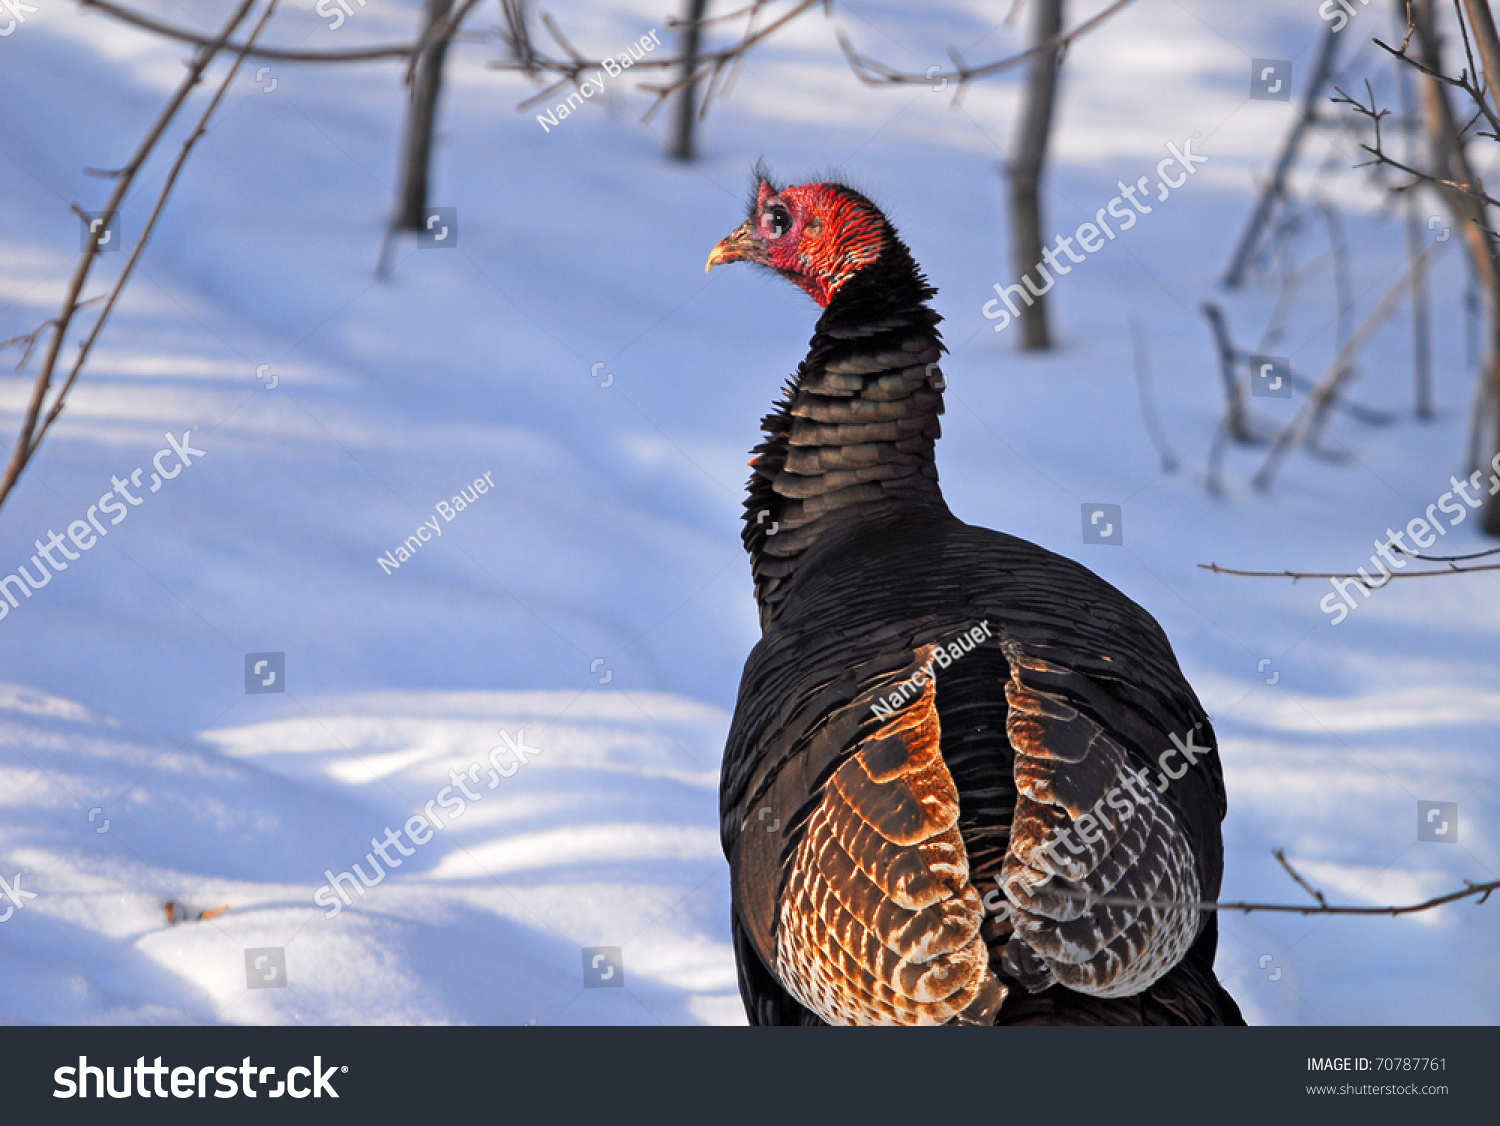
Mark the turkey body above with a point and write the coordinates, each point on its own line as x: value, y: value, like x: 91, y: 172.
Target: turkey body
x: 850, y: 631
x: 965, y: 779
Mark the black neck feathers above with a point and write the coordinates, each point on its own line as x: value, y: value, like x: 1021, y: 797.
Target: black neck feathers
x: 851, y: 444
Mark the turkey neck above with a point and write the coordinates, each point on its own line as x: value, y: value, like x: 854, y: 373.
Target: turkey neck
x: 851, y: 444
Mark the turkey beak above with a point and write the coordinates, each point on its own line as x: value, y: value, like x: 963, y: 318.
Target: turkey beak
x: 740, y: 246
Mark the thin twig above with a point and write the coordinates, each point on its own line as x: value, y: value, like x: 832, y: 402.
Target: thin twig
x: 1472, y: 889
x: 1381, y: 158
x: 30, y: 339
x: 1448, y: 558
x: 875, y: 73
x: 380, y: 53
x: 568, y: 68
x: 1323, y: 908
x: 1317, y: 402
x: 1462, y: 82
x: 716, y: 69
x: 24, y: 444
x: 1295, y: 575
x: 1274, y: 194
x: 274, y: 54
x: 1297, y: 876
x: 140, y: 246
x: 1148, y: 403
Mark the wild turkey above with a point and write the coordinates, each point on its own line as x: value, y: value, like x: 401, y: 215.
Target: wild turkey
x: 870, y: 809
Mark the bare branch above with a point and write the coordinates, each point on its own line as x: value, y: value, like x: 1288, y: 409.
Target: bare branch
x: 875, y: 73
x: 282, y: 54
x: 1148, y: 403
x: 1382, y: 158
x: 569, y: 67
x: 1485, y: 38
x: 1448, y: 558
x: 1323, y: 907
x: 28, y: 341
x: 1281, y: 859
x: 1274, y: 193
x: 25, y: 446
x: 1327, y: 387
x: 140, y: 246
x: 716, y: 69
x: 1363, y: 580
x: 1463, y: 82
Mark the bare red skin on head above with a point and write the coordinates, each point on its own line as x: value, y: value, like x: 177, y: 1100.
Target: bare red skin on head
x: 831, y: 237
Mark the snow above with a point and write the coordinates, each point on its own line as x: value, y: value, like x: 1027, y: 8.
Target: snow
x: 600, y: 593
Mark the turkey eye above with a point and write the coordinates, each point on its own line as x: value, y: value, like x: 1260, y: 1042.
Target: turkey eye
x: 778, y: 221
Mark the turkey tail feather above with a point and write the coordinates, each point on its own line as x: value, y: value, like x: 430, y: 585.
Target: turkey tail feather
x: 1087, y: 827
x: 879, y: 922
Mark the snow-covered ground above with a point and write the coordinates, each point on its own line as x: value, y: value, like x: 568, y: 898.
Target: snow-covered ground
x: 598, y: 593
